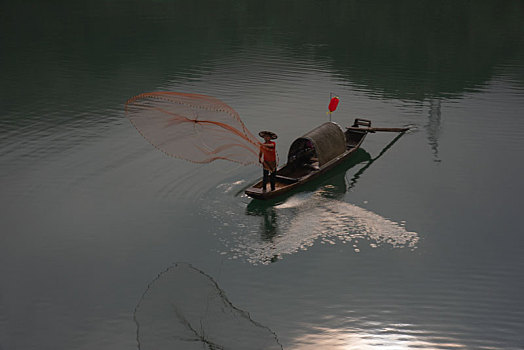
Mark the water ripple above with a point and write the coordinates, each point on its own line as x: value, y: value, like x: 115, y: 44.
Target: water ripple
x: 262, y: 234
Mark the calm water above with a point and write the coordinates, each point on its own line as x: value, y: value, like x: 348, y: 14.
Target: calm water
x: 107, y: 243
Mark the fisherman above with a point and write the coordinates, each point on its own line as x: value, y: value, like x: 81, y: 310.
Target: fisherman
x: 268, y: 158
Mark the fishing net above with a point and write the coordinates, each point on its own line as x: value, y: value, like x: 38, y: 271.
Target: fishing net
x: 194, y: 127
x: 185, y: 309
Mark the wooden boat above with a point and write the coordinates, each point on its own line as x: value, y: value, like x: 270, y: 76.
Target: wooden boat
x: 313, y: 154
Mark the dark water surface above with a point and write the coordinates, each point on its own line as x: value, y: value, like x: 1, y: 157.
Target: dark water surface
x: 412, y: 244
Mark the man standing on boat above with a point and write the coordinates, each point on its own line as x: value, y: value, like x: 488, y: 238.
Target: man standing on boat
x: 268, y: 158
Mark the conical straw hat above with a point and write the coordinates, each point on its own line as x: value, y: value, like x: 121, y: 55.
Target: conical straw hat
x: 271, y: 134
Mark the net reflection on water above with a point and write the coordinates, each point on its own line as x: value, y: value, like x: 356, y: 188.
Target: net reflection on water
x: 184, y: 308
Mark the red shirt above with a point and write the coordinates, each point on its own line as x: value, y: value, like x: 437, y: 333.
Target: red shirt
x: 268, y: 149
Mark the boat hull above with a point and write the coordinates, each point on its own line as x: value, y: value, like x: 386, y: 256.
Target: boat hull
x: 287, y: 180
x: 281, y: 187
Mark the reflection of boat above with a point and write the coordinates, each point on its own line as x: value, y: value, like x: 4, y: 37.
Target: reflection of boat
x: 313, y: 154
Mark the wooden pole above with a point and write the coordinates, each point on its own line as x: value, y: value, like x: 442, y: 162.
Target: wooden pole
x: 330, y: 97
x: 379, y: 129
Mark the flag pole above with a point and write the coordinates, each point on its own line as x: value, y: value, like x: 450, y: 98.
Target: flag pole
x: 330, y: 97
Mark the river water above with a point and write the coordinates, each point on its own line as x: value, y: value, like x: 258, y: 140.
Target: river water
x: 417, y: 242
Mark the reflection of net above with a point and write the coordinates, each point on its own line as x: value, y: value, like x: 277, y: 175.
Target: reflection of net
x: 193, y: 127
x: 185, y: 309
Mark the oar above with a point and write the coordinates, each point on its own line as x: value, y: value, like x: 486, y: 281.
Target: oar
x: 378, y: 129
x: 357, y: 175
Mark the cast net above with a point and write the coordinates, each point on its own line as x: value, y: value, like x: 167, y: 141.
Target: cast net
x: 194, y: 127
